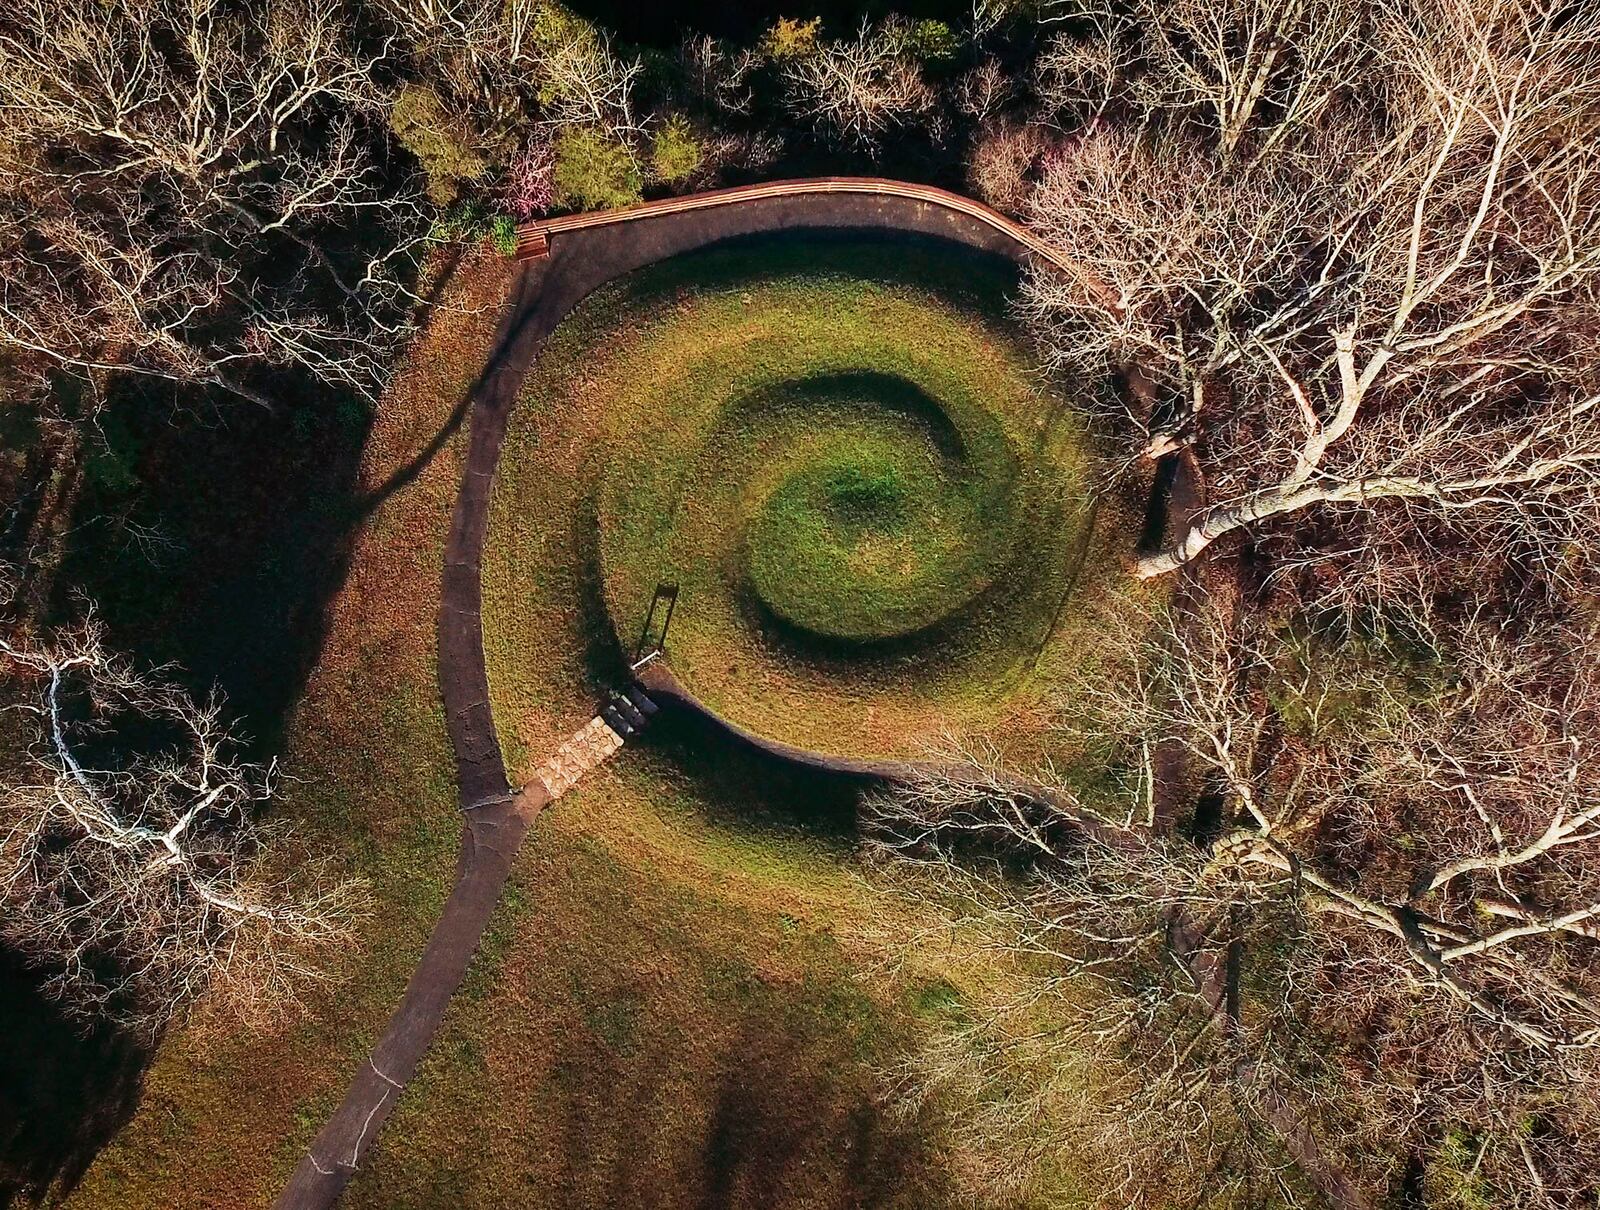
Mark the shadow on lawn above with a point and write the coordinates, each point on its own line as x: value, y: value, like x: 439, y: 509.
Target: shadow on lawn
x: 780, y: 1122
x: 63, y: 1094
x: 776, y: 1118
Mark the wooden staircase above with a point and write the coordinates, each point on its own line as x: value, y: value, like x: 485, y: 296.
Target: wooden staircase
x: 532, y: 244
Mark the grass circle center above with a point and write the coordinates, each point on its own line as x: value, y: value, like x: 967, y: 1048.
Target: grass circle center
x: 881, y: 527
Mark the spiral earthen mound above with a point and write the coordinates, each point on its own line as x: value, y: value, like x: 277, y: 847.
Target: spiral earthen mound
x: 480, y: 713
x: 875, y: 509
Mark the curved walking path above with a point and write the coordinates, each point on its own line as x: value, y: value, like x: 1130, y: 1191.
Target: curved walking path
x: 585, y: 252
x: 567, y: 259
x: 817, y: 186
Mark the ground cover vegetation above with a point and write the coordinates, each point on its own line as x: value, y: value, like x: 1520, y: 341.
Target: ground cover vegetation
x: 221, y: 224
x: 667, y: 1000
x: 60, y: 1110
x: 882, y: 524
x: 1306, y: 909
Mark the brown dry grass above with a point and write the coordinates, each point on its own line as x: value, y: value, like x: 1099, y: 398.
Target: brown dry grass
x: 223, y: 1114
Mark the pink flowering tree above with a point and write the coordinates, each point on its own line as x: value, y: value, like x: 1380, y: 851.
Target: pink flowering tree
x: 530, y: 182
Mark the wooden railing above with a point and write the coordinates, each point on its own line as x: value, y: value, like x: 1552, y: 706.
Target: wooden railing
x: 533, y: 238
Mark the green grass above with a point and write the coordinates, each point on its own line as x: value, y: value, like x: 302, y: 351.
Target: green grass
x: 874, y: 531
x: 880, y: 517
x: 675, y: 1019
x: 669, y: 1008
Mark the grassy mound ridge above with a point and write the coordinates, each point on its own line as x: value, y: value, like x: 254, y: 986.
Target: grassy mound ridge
x: 848, y: 504
x: 878, y: 514
x: 879, y: 524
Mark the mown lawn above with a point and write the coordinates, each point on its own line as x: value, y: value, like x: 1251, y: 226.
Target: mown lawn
x: 669, y: 1009
x: 225, y: 1115
x: 667, y: 1014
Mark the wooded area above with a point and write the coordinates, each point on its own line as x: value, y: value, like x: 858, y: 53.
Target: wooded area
x: 1312, y: 898
x: 1337, y: 872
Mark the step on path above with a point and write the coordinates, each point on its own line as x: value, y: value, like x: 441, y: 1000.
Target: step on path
x: 621, y: 717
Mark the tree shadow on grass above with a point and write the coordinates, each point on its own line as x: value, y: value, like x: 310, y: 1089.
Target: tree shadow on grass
x: 775, y: 1116
x: 67, y: 1093
x: 215, y: 549
x: 213, y: 539
x: 774, y: 1123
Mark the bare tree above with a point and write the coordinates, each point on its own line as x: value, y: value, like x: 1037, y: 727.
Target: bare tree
x: 983, y: 89
x: 1006, y: 157
x: 1077, y: 77
x: 584, y: 82
x: 166, y: 163
x: 719, y: 74
x: 84, y: 293
x: 1384, y: 946
x: 474, y: 51
x: 1147, y: 218
x: 1256, y: 74
x: 1394, y: 311
x: 137, y: 868
x: 857, y: 89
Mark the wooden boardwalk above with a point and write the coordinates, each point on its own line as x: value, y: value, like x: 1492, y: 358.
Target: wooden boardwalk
x: 591, y: 747
x: 621, y: 717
